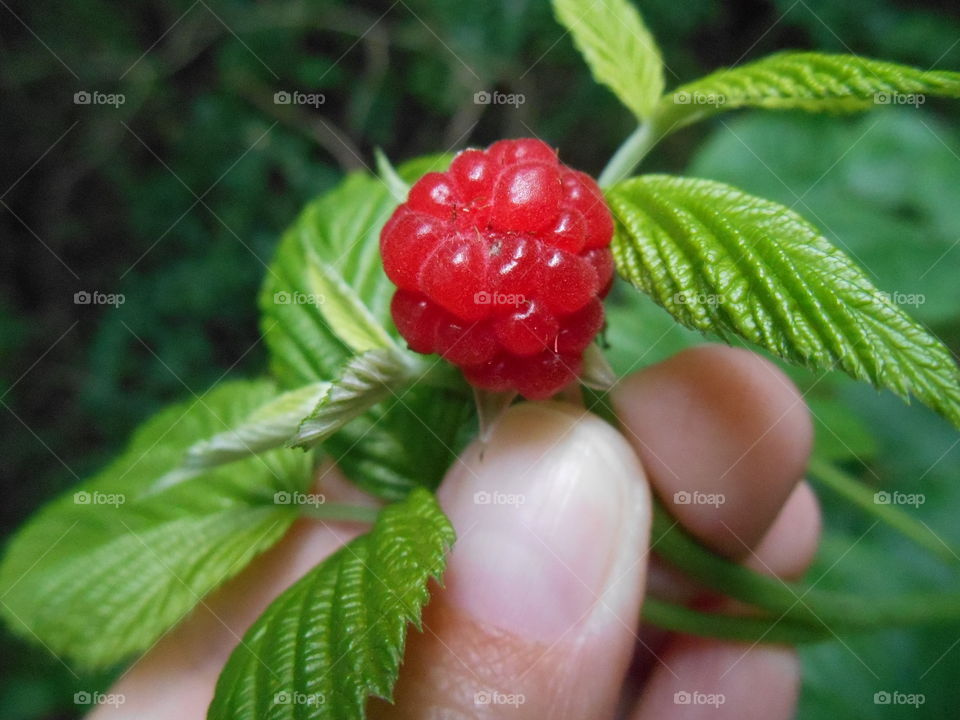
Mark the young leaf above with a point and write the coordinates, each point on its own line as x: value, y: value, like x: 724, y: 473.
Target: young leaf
x: 336, y: 637
x: 269, y: 426
x: 618, y: 48
x: 391, y: 178
x: 365, y: 381
x: 814, y: 82
x: 722, y: 261
x: 342, y: 309
x: 103, y: 572
x: 394, y: 446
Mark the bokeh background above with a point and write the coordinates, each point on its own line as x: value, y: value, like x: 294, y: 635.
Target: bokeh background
x: 176, y: 198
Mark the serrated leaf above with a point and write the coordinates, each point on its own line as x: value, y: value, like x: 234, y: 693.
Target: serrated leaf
x: 814, y: 82
x: 364, y: 381
x: 342, y: 309
x: 618, y: 48
x: 101, y: 574
x: 270, y: 426
x: 336, y: 637
x: 720, y: 260
x: 396, y: 445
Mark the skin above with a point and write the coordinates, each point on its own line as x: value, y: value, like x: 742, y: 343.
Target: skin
x: 538, y: 617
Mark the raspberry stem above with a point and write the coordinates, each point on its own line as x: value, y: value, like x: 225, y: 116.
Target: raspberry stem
x: 629, y: 154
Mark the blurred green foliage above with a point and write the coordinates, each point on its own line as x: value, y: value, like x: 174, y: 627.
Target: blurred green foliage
x: 177, y: 197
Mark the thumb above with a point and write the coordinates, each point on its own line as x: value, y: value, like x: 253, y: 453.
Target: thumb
x: 544, y: 584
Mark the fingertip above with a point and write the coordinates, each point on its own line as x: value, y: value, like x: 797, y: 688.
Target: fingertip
x: 723, y: 423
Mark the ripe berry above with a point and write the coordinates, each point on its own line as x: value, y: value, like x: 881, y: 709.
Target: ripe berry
x: 500, y: 264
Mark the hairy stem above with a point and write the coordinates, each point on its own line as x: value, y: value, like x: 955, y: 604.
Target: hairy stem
x: 629, y: 154
x: 799, y: 602
x: 862, y: 496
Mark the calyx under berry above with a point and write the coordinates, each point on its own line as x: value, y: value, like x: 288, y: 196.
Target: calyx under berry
x: 501, y: 264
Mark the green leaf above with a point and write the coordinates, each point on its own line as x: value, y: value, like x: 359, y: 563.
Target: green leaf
x: 364, y: 381
x: 814, y: 82
x: 342, y: 309
x: 336, y: 637
x: 102, y: 573
x: 400, y: 443
x: 722, y: 261
x: 270, y: 426
x: 618, y: 48
x: 388, y: 174
x: 331, y: 254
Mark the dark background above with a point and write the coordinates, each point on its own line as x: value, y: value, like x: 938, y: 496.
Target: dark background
x: 177, y: 197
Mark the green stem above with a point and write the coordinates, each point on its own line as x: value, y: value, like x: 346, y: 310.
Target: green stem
x: 863, y: 497
x: 629, y: 154
x: 796, y: 601
x: 339, y: 511
x: 746, y: 628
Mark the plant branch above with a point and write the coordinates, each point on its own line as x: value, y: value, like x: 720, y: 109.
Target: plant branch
x: 863, y: 497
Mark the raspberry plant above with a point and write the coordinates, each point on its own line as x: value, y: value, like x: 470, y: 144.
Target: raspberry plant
x: 353, y: 379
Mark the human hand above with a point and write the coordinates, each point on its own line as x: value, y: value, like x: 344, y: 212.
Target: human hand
x: 539, y: 616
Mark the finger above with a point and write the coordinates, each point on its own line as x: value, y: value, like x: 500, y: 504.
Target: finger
x: 727, y: 427
x: 544, y: 583
x: 724, y: 437
x: 700, y: 677
x: 721, y: 681
x: 175, y: 679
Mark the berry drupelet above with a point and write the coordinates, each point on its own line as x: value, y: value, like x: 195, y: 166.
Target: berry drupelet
x: 501, y: 264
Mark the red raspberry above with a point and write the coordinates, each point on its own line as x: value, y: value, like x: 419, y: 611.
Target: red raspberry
x: 501, y: 263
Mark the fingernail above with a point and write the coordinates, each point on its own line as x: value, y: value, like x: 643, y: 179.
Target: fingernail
x: 542, y: 512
